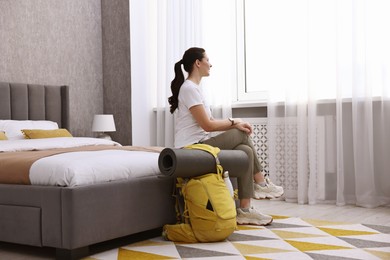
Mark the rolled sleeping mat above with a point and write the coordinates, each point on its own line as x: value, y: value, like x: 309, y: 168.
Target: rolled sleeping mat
x: 188, y: 163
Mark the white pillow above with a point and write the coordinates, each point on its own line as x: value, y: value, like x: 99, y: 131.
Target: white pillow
x: 12, y: 128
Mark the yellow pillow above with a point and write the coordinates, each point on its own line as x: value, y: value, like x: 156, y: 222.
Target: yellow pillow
x: 3, y: 136
x: 38, y: 133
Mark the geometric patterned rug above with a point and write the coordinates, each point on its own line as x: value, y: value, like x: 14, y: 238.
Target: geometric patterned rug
x: 286, y: 238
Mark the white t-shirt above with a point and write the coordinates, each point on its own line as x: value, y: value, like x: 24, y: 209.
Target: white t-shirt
x: 187, y: 130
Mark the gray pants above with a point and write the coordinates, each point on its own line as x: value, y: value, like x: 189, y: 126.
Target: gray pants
x: 235, y: 139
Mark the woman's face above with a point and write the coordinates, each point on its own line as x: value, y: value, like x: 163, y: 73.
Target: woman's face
x: 205, y: 66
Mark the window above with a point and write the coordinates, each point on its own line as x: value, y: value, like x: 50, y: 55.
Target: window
x: 260, y: 45
x: 271, y: 38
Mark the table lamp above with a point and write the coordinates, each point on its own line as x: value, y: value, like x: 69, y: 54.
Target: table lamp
x: 103, y: 124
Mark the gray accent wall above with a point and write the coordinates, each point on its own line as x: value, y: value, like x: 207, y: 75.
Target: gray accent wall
x: 56, y: 42
x: 116, y: 67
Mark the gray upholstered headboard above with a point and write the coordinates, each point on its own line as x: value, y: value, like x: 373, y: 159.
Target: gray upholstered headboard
x: 34, y: 102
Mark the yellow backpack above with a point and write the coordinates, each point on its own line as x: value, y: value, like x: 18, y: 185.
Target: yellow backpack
x: 209, y: 209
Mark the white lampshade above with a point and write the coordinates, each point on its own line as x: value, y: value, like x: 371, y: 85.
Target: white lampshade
x: 103, y: 123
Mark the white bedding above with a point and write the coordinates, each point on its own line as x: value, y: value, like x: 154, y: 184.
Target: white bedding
x: 82, y: 168
x: 51, y: 143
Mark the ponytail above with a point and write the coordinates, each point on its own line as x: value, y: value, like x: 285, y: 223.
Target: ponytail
x: 175, y: 87
x: 189, y: 57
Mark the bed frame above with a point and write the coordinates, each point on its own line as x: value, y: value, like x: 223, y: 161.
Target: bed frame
x: 72, y: 219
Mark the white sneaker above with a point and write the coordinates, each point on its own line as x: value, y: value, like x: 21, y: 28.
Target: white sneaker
x: 269, y: 191
x: 270, y: 183
x: 253, y: 217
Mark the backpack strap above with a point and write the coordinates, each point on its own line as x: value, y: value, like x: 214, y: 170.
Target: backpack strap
x: 178, y: 199
x: 210, y: 149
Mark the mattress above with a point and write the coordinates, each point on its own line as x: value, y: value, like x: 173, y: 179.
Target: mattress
x: 73, y: 161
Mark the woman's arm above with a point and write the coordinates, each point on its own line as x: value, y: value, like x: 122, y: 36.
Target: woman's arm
x: 212, y: 125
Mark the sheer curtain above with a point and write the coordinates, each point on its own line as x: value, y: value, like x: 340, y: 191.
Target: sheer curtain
x: 219, y: 41
x: 160, y: 33
x: 177, y: 30
x: 329, y: 112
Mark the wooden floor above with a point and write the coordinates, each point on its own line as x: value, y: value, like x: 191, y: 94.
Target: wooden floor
x: 350, y: 214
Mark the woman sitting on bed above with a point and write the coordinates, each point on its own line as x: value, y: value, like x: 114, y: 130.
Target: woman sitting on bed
x: 195, y: 122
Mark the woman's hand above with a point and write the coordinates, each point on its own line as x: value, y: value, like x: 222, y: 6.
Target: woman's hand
x: 244, y: 126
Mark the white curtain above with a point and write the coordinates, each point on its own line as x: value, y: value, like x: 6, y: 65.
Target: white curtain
x: 177, y: 30
x: 329, y: 111
x: 161, y: 30
x: 219, y: 41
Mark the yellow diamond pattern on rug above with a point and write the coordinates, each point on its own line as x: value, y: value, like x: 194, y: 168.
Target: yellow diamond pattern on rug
x: 288, y: 234
x: 307, y: 246
x: 130, y: 254
x: 246, y: 249
x: 286, y: 238
x: 343, y: 232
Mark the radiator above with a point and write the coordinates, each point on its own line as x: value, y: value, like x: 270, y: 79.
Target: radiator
x: 282, y: 167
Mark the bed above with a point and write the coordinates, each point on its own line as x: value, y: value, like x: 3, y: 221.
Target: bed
x: 72, y: 218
